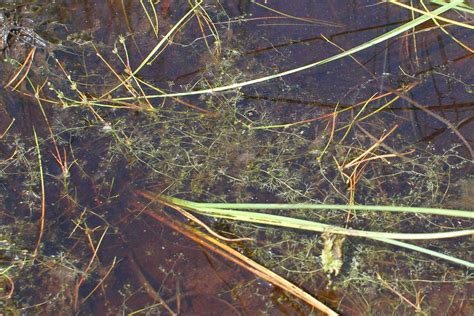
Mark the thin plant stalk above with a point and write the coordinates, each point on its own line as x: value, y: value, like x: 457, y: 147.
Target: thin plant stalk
x: 157, y: 46
x: 290, y: 222
x: 307, y: 206
x: 43, y: 194
x: 225, y: 211
x: 426, y: 251
x: 382, y: 38
x: 233, y: 255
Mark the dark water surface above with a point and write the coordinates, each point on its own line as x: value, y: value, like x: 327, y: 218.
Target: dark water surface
x: 102, y: 253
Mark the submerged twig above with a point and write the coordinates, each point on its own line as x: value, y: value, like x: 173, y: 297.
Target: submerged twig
x: 229, y: 211
x: 439, y: 118
x: 241, y: 260
x: 27, y: 63
x: 152, y: 293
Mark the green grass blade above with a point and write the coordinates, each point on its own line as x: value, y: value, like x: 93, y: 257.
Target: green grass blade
x: 305, y: 206
x: 43, y: 193
x: 462, y: 6
x: 158, y: 46
x: 382, y: 38
x: 166, y: 37
x: 426, y: 251
x: 296, y: 223
x: 428, y: 13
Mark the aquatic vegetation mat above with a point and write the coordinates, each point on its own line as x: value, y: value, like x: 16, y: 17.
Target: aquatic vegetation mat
x: 303, y: 159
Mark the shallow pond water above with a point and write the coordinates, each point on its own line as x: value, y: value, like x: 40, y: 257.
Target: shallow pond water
x: 80, y: 141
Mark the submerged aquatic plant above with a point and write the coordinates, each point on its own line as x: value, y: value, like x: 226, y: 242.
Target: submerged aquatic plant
x: 232, y: 211
x: 240, y: 147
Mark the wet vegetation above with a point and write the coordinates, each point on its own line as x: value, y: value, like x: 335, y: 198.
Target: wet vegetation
x: 110, y: 108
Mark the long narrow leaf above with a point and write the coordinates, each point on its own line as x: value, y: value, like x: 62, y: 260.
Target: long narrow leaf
x: 295, y: 223
x: 382, y: 38
x: 290, y: 222
x: 462, y: 6
x: 426, y: 251
x: 305, y: 206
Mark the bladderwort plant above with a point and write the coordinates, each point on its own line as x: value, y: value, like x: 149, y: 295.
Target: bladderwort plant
x: 223, y: 152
